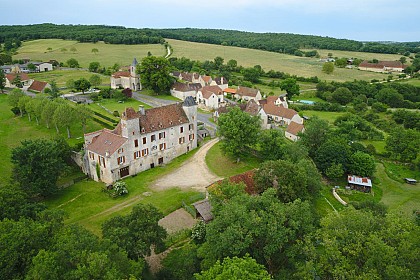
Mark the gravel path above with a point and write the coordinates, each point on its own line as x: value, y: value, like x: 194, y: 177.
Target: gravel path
x: 194, y: 173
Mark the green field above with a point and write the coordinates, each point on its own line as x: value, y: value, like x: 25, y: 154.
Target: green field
x: 15, y: 129
x: 62, y: 76
x: 328, y: 116
x: 360, y: 55
x: 224, y: 166
x: 301, y: 66
x: 414, y: 82
x: 108, y: 53
x: 87, y: 205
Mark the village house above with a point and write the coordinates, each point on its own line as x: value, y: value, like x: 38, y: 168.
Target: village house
x: 38, y: 86
x: 292, y: 131
x: 24, y: 78
x: 127, y: 79
x: 24, y: 68
x: 251, y: 107
x: 183, y: 90
x: 279, y: 115
x: 222, y: 82
x: 142, y: 140
x: 210, y: 96
x: 246, y: 94
x: 382, y: 66
x: 204, y: 80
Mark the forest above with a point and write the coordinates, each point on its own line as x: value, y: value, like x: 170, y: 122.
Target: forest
x: 274, y: 42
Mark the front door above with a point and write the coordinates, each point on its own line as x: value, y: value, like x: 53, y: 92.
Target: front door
x: 152, y: 165
x: 160, y: 161
x: 124, y: 172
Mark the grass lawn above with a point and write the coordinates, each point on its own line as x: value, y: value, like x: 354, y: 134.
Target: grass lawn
x: 328, y: 116
x: 396, y: 194
x: 379, y: 145
x: 224, y: 166
x: 361, y: 55
x: 414, y: 82
x: 301, y: 66
x: 114, y: 105
x: 87, y: 205
x: 62, y: 76
x: 108, y: 54
x: 15, y: 129
x: 160, y: 96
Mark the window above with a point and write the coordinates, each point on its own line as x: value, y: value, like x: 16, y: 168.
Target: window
x: 181, y: 129
x: 161, y: 135
x: 136, y: 143
x: 144, y: 152
x: 121, y: 150
x: 153, y: 138
x: 191, y: 127
x: 181, y: 140
x: 162, y: 146
x: 144, y: 140
x: 91, y: 156
x: 101, y: 161
x: 137, y: 154
x: 191, y: 137
x: 121, y: 160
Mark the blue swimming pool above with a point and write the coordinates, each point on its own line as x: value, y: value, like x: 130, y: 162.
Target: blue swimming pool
x: 309, y: 102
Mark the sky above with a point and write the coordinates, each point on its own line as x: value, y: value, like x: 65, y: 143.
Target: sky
x: 363, y: 20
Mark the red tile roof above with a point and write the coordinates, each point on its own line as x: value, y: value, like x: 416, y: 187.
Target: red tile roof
x: 279, y: 111
x: 38, y: 86
x: 246, y: 91
x: 206, y: 79
x: 120, y: 74
x: 247, y: 178
x: 105, y: 142
x: 162, y: 117
x: 207, y: 91
x: 294, y: 128
x: 229, y: 90
x: 383, y: 64
x: 183, y: 87
x: 12, y: 77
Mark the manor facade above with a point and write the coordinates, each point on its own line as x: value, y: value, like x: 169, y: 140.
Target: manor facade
x: 142, y: 140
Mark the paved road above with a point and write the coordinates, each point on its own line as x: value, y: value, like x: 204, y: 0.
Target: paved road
x: 156, y: 102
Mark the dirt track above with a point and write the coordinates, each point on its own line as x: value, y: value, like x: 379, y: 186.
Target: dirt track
x: 194, y: 173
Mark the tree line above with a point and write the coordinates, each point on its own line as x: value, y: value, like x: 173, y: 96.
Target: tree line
x: 274, y: 42
x: 281, y: 42
x: 10, y: 35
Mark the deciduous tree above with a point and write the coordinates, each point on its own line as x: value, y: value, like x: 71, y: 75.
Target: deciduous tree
x: 2, y: 81
x: 239, y: 131
x: 137, y: 231
x: 290, y: 86
x: 245, y: 268
x: 361, y: 164
x: 82, y: 84
x: 328, y: 67
x: 154, y: 73
x: 37, y: 165
x: 64, y: 116
x: 95, y: 80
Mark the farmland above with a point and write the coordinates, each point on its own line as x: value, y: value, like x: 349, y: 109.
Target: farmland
x: 301, y: 66
x: 108, y: 54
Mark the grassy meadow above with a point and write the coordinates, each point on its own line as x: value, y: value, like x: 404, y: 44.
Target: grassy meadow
x: 360, y: 55
x: 87, y: 205
x: 301, y: 66
x: 62, y: 76
x: 14, y: 129
x: 224, y: 166
x: 107, y: 55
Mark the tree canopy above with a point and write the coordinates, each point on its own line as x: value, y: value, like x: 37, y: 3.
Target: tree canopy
x: 37, y: 165
x: 154, y: 74
x: 239, y: 131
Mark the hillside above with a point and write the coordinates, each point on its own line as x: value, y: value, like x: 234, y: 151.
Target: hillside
x: 274, y: 42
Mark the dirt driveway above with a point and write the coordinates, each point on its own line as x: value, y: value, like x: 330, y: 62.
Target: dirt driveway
x: 194, y: 173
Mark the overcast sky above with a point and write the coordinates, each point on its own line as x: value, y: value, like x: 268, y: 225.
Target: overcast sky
x: 365, y: 20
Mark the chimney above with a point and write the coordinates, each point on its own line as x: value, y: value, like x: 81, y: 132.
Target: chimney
x: 141, y: 109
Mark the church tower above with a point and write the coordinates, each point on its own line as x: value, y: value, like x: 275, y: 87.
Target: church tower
x: 134, y: 77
